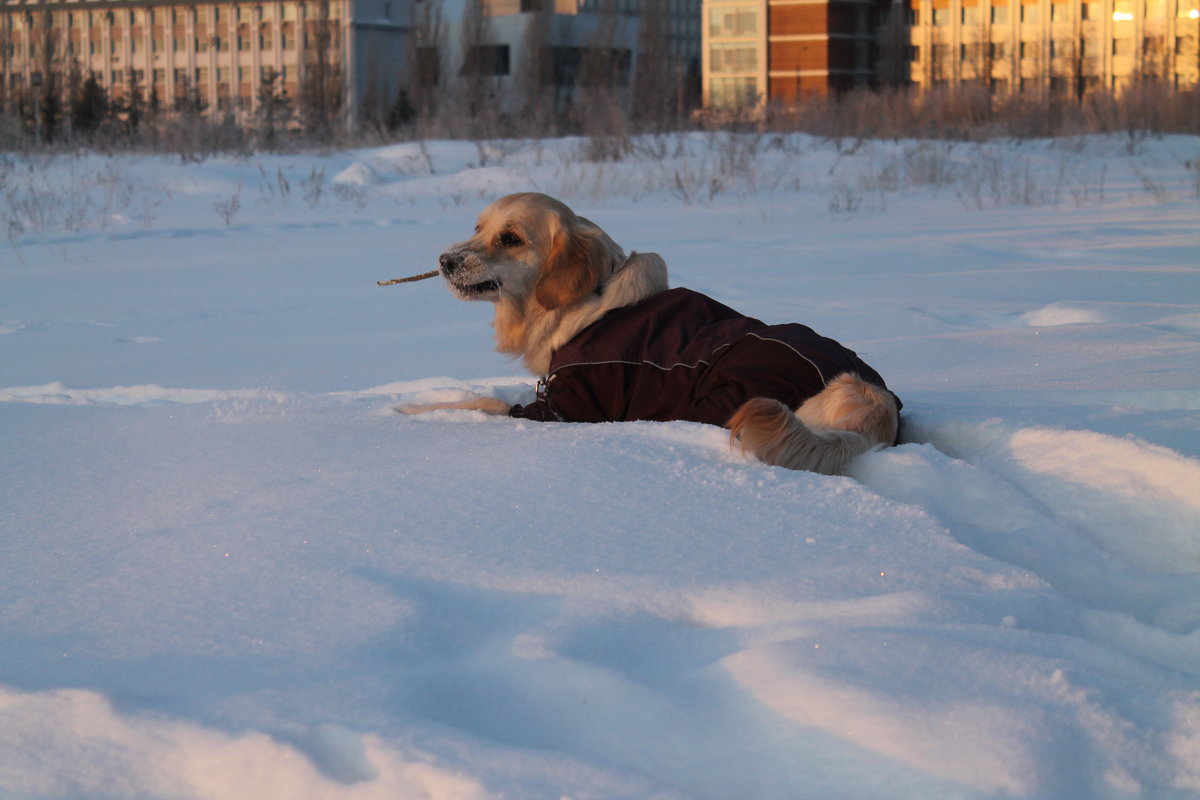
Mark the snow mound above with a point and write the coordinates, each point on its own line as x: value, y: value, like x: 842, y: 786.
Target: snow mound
x: 74, y: 743
x: 358, y: 174
x: 144, y: 395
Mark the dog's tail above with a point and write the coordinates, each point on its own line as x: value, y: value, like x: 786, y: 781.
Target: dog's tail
x: 848, y: 418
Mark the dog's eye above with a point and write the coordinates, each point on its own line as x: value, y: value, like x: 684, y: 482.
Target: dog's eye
x: 509, y: 239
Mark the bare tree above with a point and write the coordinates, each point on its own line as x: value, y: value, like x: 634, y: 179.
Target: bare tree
x: 603, y: 72
x: 7, y: 40
x: 535, y: 79
x: 425, y: 60
x: 482, y: 62
x: 48, y: 102
x: 656, y: 79
x: 321, y: 86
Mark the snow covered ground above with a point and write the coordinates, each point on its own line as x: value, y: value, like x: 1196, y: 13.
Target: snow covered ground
x: 228, y: 570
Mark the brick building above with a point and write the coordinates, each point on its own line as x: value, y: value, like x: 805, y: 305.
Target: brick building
x: 759, y: 51
x: 782, y: 49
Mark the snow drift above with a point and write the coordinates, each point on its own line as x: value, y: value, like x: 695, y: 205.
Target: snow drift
x: 230, y: 571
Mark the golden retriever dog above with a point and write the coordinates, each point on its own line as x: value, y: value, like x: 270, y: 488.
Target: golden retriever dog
x: 612, y: 342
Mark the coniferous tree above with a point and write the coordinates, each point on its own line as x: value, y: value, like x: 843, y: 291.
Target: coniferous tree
x: 89, y: 106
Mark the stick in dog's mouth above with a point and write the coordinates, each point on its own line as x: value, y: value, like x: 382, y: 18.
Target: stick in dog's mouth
x: 409, y: 279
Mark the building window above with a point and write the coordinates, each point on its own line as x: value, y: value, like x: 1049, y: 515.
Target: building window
x: 1059, y: 12
x: 733, y: 57
x: 733, y: 92
x: 1156, y: 9
x: 999, y: 15
x: 1122, y: 47
x: 1031, y: 13
x: 970, y: 15
x: 941, y: 16
x: 999, y: 50
x: 1122, y: 10
x: 726, y: 21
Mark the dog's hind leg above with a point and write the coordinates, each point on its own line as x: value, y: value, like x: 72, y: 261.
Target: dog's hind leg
x: 768, y: 430
x: 846, y: 419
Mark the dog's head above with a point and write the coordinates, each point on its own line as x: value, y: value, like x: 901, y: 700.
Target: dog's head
x: 530, y: 247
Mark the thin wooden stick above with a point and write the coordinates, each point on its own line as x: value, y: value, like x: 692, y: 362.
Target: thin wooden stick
x: 409, y: 279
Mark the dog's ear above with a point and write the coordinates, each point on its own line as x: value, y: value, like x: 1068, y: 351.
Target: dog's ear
x: 573, y: 270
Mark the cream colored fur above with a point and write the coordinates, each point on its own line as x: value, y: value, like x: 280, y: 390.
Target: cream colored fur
x: 847, y: 418
x: 551, y: 273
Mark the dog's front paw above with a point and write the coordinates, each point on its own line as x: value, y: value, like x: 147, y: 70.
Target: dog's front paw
x: 488, y: 405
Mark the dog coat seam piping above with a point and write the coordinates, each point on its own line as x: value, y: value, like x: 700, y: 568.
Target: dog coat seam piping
x: 794, y: 350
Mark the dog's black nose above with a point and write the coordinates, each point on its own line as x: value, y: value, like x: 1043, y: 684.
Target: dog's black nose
x: 449, y: 264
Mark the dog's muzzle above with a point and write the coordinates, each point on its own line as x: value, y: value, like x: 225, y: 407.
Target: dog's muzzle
x: 451, y: 265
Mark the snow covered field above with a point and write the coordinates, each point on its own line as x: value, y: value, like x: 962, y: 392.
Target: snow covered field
x: 228, y: 570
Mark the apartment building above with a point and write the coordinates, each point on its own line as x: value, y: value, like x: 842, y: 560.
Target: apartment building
x: 780, y: 50
x: 354, y: 56
x: 559, y: 45
x: 226, y: 56
x: 1067, y: 47
x: 759, y: 51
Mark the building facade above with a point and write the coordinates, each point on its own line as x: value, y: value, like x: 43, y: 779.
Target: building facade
x: 552, y: 49
x: 223, y: 56
x: 1056, y: 47
x: 776, y: 51
x: 781, y: 50
x: 351, y: 58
